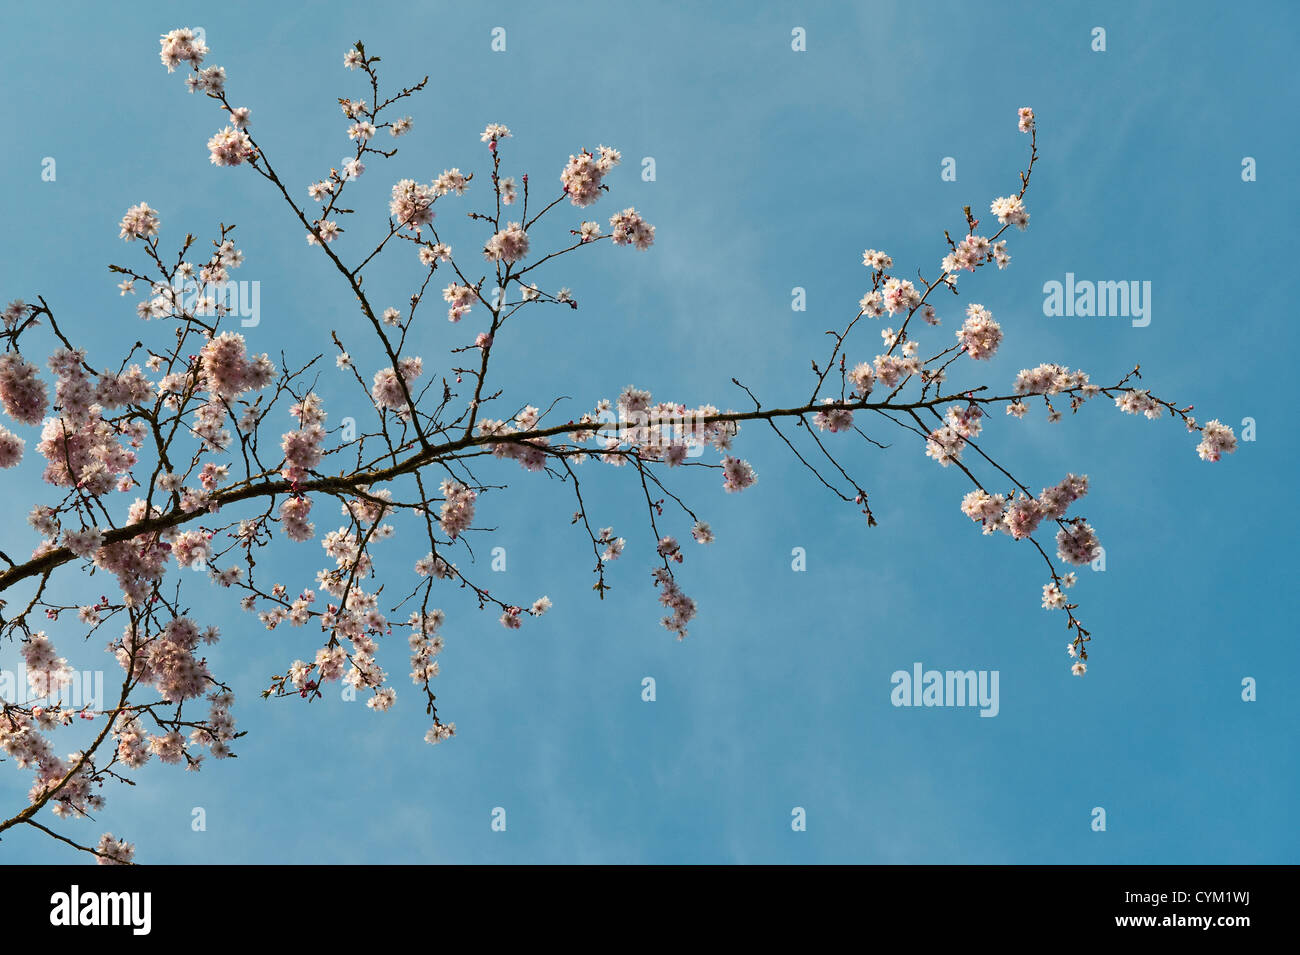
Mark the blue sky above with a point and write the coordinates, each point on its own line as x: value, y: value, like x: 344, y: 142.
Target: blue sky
x: 775, y: 169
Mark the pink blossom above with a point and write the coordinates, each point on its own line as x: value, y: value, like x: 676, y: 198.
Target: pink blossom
x: 737, y: 474
x: 191, y: 548
x: 114, y: 851
x: 180, y: 46
x: 458, y: 508
x: 980, y: 335
x: 140, y: 222
x: 47, y: 673
x: 1217, y: 440
x: 508, y: 245
x: 11, y: 448
x: 630, y: 229
x: 22, y: 392
x: 877, y: 260
x: 863, y: 377
x: 833, y: 419
x: 900, y: 295
x: 386, y: 390
x: 230, y: 147
x: 83, y: 542
x: 412, y: 204
x: 228, y: 371
x: 671, y: 596
x: 1053, y: 598
x: 1076, y: 543
x: 583, y: 174
x: 1010, y: 210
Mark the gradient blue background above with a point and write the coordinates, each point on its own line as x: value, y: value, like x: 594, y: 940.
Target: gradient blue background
x: 775, y: 170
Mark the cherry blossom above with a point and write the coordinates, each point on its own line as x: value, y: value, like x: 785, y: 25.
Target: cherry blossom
x: 170, y: 467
